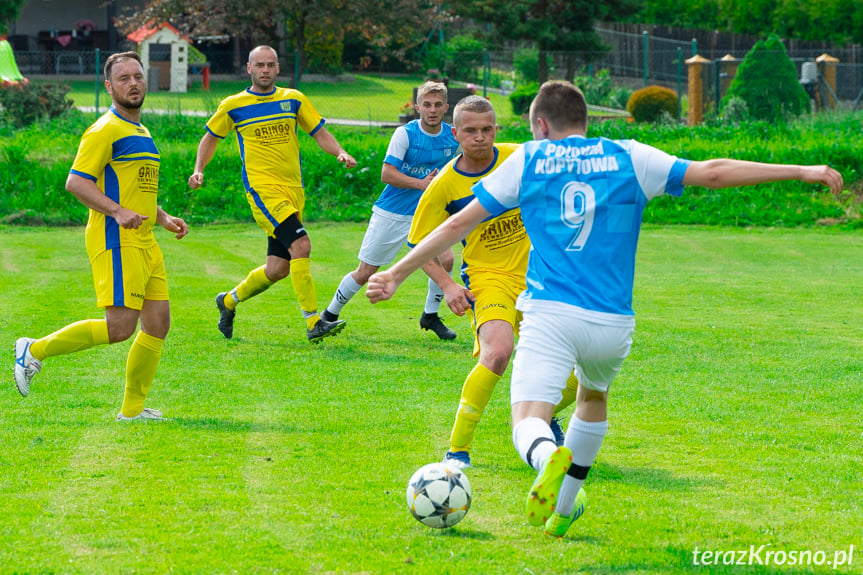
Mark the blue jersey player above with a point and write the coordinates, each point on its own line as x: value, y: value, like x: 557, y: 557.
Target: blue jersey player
x: 416, y: 152
x: 581, y: 202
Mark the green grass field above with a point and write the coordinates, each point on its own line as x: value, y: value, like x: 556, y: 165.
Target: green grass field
x: 737, y: 421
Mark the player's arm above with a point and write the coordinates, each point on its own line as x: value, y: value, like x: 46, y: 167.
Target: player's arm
x: 206, y: 150
x: 392, y: 176
x: 176, y: 225
x: 726, y: 173
x: 89, y: 194
x: 328, y: 143
x: 457, y: 297
x: 383, y: 285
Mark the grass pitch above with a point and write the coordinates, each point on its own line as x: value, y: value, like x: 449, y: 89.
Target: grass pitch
x: 736, y: 421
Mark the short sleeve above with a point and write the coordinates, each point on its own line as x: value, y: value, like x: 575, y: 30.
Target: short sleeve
x: 499, y: 191
x: 398, y: 148
x: 94, y: 153
x: 220, y: 124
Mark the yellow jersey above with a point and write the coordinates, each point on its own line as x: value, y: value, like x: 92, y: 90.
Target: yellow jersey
x: 121, y: 158
x: 266, y: 126
x: 498, y: 245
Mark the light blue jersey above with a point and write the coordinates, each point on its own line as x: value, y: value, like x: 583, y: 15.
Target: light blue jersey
x: 415, y: 153
x: 581, y: 202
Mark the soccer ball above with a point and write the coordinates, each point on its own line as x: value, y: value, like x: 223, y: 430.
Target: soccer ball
x: 438, y: 495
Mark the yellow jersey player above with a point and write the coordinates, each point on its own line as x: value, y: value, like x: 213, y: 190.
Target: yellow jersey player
x: 116, y: 175
x: 494, y: 259
x: 267, y: 120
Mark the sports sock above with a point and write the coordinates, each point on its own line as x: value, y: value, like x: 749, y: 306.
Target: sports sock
x: 141, y: 368
x: 74, y: 337
x: 255, y: 283
x: 529, y: 436
x: 433, y: 298
x: 583, y: 438
x: 569, y: 394
x: 475, y: 394
x: 304, y: 287
x: 348, y: 288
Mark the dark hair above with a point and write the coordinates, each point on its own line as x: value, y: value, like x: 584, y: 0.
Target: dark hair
x: 560, y: 104
x: 114, y: 58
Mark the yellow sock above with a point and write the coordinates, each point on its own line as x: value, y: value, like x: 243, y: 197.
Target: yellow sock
x: 475, y: 394
x: 74, y: 337
x: 141, y: 368
x: 255, y: 283
x: 569, y: 394
x: 304, y: 287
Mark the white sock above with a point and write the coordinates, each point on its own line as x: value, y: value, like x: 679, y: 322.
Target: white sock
x: 433, y: 298
x: 348, y: 288
x: 525, y: 435
x: 583, y: 438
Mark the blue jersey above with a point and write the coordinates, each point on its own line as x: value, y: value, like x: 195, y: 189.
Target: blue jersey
x: 416, y: 154
x: 581, y: 202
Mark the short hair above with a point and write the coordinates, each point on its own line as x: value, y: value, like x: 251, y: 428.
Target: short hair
x: 474, y: 103
x: 118, y: 57
x: 431, y: 87
x: 560, y: 104
x: 263, y: 47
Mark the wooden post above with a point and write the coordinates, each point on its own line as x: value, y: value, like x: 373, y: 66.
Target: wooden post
x: 696, y: 89
x: 827, y: 69
x: 727, y: 71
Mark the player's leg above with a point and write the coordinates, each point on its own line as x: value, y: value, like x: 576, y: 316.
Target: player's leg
x: 569, y: 395
x: 495, y: 339
x: 382, y: 241
x: 259, y: 280
x: 430, y: 320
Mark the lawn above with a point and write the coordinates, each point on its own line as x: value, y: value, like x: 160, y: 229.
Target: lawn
x: 737, y: 421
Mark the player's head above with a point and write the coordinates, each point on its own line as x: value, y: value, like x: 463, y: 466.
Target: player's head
x: 263, y: 67
x: 561, y: 106
x: 475, y: 127
x: 124, y: 80
x: 431, y: 104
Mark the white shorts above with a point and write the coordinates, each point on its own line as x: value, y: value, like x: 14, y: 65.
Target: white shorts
x: 551, y: 345
x: 384, y: 237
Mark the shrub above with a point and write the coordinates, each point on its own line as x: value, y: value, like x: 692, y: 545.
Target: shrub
x: 647, y: 104
x: 767, y: 81
x: 26, y: 103
x: 522, y: 97
x: 526, y: 63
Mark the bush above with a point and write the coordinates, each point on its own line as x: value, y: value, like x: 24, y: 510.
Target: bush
x: 767, y: 82
x: 26, y: 103
x: 647, y: 104
x: 526, y: 64
x: 522, y: 97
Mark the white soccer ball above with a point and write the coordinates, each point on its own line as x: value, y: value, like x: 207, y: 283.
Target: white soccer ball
x: 438, y: 495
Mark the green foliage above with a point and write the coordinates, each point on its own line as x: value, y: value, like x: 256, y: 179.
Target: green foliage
x: 599, y: 90
x: 648, y: 104
x: 23, y: 103
x: 522, y: 97
x: 526, y: 64
x: 767, y: 81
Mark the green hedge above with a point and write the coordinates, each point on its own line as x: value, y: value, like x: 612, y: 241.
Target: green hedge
x: 36, y: 161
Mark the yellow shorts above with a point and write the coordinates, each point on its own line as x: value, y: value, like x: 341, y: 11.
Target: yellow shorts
x: 125, y: 277
x: 495, y: 299
x: 274, y: 204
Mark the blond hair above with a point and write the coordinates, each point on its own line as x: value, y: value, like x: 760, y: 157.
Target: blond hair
x: 475, y: 104
x: 431, y: 87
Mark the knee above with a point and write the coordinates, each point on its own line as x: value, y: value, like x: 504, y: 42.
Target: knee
x: 496, y: 359
x: 301, y: 248
x: 118, y: 332
x: 277, y: 272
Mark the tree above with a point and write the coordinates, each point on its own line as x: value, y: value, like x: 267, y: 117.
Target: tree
x: 314, y: 28
x: 552, y: 25
x: 9, y: 10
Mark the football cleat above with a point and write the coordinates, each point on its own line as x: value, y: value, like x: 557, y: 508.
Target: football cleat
x: 146, y: 414
x: 432, y: 321
x: 327, y: 316
x: 26, y: 366
x: 557, y: 525
x: 226, y: 316
x: 542, y: 497
x: 458, y: 459
x: 557, y: 430
x: 324, y: 329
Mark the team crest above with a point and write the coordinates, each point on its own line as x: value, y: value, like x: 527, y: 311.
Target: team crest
x: 286, y: 106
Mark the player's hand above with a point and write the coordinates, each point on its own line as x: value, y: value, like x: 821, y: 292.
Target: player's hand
x: 424, y: 183
x: 458, y: 298
x: 176, y: 225
x: 128, y: 219
x: 347, y: 159
x: 823, y: 175
x: 382, y: 285
x: 196, y: 180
